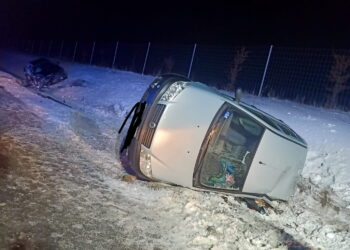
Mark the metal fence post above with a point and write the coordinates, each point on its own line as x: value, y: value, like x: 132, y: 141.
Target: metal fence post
x: 92, y: 52
x: 61, y: 50
x: 146, y: 57
x: 75, y: 50
x: 265, y: 70
x: 115, y: 53
x: 193, y: 53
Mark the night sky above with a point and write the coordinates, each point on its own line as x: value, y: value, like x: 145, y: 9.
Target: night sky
x: 284, y: 23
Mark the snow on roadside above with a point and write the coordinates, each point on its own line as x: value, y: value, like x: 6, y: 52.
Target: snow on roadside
x: 106, y: 92
x: 43, y: 107
x: 327, y: 134
x: 319, y: 211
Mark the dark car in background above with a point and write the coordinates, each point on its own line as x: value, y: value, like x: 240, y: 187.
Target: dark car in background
x: 42, y: 72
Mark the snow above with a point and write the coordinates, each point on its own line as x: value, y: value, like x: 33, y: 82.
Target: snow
x: 317, y: 215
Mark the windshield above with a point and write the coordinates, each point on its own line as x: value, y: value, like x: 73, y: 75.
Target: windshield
x: 229, y: 149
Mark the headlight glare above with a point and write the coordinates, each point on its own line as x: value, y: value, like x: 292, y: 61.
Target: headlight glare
x: 145, y: 163
x: 173, y: 91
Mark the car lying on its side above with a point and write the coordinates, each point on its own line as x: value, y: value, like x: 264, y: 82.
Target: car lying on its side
x: 186, y: 133
x: 42, y: 72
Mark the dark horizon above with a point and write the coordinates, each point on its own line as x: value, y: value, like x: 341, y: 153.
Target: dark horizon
x: 311, y: 24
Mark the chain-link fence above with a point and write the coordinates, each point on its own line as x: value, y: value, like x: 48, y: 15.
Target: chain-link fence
x: 312, y: 76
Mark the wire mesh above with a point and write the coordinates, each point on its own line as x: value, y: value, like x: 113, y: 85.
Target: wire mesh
x: 131, y: 56
x: 229, y: 67
x: 55, y: 49
x: 312, y: 76
x: 165, y: 58
x: 68, y: 50
x: 44, y: 47
x: 83, y: 52
x: 103, y: 54
x: 302, y: 75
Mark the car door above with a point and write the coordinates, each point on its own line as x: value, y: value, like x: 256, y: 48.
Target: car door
x: 228, y: 150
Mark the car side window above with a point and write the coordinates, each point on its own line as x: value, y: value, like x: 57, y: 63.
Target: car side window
x: 235, y: 138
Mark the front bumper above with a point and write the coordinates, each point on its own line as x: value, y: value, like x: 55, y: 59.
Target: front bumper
x: 149, y: 120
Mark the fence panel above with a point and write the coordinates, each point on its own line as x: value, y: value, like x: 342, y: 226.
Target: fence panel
x: 104, y: 52
x: 55, y: 48
x: 37, y: 47
x: 318, y: 77
x: 298, y: 74
x: 211, y: 64
x: 83, y: 52
x: 165, y: 58
x: 44, y: 47
x: 131, y: 56
x: 68, y: 50
x: 229, y: 67
x: 27, y: 46
x: 14, y: 44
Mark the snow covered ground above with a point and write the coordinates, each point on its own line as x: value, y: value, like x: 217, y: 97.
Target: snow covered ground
x: 317, y: 215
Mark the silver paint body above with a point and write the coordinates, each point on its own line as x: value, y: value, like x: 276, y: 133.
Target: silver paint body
x: 183, y: 126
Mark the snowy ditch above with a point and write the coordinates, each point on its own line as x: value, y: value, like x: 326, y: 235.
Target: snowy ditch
x: 317, y: 215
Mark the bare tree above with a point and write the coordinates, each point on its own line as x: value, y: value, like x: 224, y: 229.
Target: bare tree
x: 240, y: 57
x: 339, y: 76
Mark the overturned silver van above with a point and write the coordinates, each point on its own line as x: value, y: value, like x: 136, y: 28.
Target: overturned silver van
x: 186, y: 133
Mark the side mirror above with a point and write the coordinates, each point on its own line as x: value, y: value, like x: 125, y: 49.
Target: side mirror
x: 238, y: 95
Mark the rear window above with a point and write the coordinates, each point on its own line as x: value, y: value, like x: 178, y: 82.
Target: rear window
x: 275, y: 123
x: 290, y: 132
x: 263, y: 117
